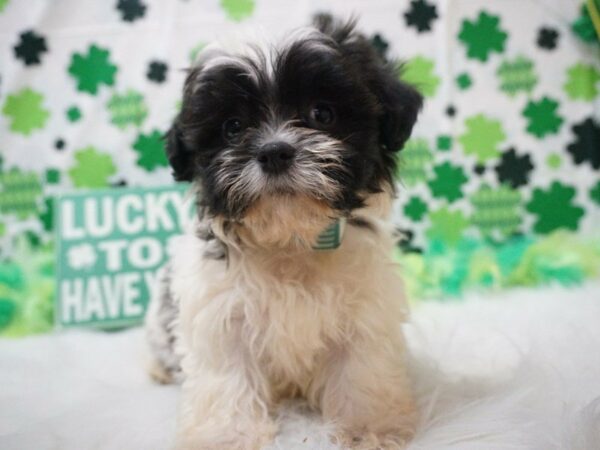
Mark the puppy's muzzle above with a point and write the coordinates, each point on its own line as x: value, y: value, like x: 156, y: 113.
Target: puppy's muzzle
x: 276, y: 157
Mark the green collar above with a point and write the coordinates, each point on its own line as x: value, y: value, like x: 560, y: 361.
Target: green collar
x: 331, y: 237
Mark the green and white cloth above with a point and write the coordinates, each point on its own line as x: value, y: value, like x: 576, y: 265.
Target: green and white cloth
x: 504, y: 161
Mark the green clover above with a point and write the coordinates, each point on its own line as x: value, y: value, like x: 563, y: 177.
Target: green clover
x: 415, y: 209
x: 46, y: 217
x: 554, y: 208
x: 553, y: 160
x: 464, y: 81
x: 517, y: 75
x: 20, y: 193
x: 447, y: 182
x: 482, y: 137
x: 497, y: 209
x: 52, y: 176
x: 542, y: 117
x: 418, y: 71
x: 446, y: 226
x: 595, y: 193
x: 127, y: 109
x: 92, y: 168
x: 583, y: 26
x: 25, y: 111
x: 92, y: 70
x: 483, y: 36
x: 151, y: 150
x: 414, y: 161
x: 73, y: 114
x: 238, y: 10
x: 582, y: 82
x: 444, y: 142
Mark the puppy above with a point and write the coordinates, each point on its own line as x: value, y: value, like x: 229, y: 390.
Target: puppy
x: 284, y: 143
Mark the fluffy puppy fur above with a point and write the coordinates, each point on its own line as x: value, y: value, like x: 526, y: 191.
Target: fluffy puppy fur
x: 280, y: 141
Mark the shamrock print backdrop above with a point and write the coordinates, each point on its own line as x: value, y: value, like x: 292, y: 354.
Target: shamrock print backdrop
x: 499, y: 185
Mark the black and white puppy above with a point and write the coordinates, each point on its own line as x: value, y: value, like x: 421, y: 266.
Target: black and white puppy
x: 284, y: 142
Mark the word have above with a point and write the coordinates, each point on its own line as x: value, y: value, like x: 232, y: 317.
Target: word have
x: 105, y: 297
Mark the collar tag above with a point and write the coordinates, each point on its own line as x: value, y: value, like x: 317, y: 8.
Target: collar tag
x: 331, y: 237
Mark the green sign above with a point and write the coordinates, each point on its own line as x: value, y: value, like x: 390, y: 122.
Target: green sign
x: 110, y: 245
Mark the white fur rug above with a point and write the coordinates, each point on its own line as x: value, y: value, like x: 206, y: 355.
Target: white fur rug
x: 518, y: 370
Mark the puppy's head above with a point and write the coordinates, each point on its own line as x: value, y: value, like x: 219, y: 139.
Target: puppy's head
x: 296, y: 134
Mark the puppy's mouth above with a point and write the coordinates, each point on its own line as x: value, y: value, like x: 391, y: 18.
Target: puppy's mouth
x: 280, y: 184
x: 290, y: 189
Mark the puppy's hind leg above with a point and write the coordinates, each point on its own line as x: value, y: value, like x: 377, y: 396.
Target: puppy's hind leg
x: 163, y: 364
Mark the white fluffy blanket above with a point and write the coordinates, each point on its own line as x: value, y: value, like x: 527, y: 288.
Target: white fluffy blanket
x: 517, y: 370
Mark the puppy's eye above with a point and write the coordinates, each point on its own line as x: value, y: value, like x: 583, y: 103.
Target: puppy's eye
x: 232, y: 128
x: 321, y: 115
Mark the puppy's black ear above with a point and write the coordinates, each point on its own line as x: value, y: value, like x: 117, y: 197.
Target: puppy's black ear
x: 401, y: 105
x: 400, y: 102
x: 178, y: 154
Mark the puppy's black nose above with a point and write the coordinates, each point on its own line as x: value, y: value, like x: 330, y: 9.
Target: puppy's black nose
x: 275, y: 157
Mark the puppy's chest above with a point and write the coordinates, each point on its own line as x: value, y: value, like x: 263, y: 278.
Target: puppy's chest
x: 296, y: 313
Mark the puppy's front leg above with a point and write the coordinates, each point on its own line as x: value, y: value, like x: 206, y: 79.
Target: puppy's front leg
x: 224, y: 401
x: 368, y: 395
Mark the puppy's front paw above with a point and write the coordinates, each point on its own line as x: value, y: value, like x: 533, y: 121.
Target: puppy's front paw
x: 237, y: 436
x: 357, y: 440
